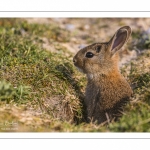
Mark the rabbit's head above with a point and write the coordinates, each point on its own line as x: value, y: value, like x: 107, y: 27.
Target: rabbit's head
x: 100, y: 58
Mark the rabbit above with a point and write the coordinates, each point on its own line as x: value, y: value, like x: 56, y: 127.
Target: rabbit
x: 107, y: 91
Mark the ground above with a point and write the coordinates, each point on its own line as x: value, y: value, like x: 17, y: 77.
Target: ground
x: 41, y: 90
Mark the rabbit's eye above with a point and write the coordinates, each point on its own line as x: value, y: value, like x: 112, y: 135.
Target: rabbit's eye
x: 89, y: 55
x: 98, y: 48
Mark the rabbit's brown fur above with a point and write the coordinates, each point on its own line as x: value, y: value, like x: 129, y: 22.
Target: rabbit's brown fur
x: 107, y: 90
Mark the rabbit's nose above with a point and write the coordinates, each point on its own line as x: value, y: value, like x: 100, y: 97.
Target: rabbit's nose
x: 74, y: 60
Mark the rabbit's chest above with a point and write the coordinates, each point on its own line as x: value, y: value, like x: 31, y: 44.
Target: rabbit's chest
x: 105, y: 96
x: 92, y: 95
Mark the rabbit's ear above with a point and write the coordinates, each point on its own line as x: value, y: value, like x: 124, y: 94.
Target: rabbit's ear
x: 119, y: 39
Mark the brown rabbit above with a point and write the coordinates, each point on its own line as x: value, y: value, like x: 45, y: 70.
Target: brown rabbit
x: 107, y: 90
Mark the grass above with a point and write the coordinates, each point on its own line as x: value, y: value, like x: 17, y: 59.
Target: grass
x: 42, y: 91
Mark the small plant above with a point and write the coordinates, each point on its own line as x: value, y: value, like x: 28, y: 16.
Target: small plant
x: 6, y: 90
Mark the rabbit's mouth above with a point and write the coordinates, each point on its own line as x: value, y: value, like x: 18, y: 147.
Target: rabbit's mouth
x: 79, y: 69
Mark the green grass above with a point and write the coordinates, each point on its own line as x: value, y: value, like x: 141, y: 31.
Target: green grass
x: 43, y: 91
